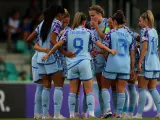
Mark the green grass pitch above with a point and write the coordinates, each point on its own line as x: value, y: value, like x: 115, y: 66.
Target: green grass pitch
x: 77, y: 119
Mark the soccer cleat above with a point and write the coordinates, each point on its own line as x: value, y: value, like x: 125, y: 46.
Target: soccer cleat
x: 101, y: 116
x: 76, y: 116
x: 130, y: 115
x: 125, y: 115
x: 72, y: 117
x: 107, y: 114
x: 49, y: 116
x: 84, y: 116
x: 118, y: 117
x: 114, y: 115
x: 38, y: 116
x: 92, y: 117
x: 58, y: 116
x: 46, y: 118
x: 138, y: 116
x: 157, y: 117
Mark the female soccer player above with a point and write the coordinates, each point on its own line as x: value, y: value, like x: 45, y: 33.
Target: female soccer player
x: 148, y: 65
x: 79, y: 67
x: 115, y: 67
x: 47, y: 32
x: 65, y: 27
x: 131, y: 95
x: 96, y: 14
x: 38, y: 80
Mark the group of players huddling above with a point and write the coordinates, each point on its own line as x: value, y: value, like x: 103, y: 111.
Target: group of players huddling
x: 107, y: 47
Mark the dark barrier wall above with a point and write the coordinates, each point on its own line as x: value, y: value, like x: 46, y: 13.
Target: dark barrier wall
x: 12, y: 101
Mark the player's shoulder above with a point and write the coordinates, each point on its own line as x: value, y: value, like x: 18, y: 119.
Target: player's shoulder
x: 56, y: 22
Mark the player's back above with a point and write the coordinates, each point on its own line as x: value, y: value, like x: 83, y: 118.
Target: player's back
x: 152, y: 59
x: 46, y: 44
x: 78, y: 42
x: 121, y: 41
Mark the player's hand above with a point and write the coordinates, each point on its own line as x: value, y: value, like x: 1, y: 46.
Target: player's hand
x: 45, y: 58
x: 93, y: 53
x: 113, y: 52
x: 139, y: 67
x: 132, y: 75
x: 47, y: 50
x: 70, y: 54
x: 94, y: 23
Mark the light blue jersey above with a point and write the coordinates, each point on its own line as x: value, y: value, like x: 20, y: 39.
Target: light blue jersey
x: 121, y: 41
x: 78, y: 42
x: 151, y: 61
x: 137, y: 51
x: 35, y: 74
x: 51, y: 65
x: 150, y: 64
x: 56, y: 27
x: 61, y: 57
x: 99, y: 59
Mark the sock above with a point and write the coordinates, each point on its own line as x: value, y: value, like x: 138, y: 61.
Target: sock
x: 106, y: 99
x: 101, y: 103
x: 114, y: 98
x: 120, y: 103
x: 125, y: 108
x: 85, y: 107
x: 156, y: 98
x: 132, y: 97
x: 90, y: 103
x: 38, y: 99
x: 142, y: 100
x: 58, y: 97
x: 45, y: 100
x: 72, y: 103
x: 77, y: 104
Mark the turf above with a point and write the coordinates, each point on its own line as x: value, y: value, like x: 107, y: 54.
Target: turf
x: 75, y: 119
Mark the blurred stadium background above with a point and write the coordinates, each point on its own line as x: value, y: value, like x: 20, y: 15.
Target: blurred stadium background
x: 15, y: 54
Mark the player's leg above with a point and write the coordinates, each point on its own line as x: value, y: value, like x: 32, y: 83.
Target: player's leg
x: 107, y: 81
x: 86, y: 77
x: 121, y: 88
x: 153, y: 91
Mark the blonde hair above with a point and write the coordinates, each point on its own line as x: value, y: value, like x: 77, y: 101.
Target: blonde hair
x: 78, y: 19
x: 148, y: 16
x: 66, y: 13
x: 98, y: 9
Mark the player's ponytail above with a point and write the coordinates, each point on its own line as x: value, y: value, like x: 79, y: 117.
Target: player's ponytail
x: 49, y: 15
x: 148, y: 17
x: 78, y: 19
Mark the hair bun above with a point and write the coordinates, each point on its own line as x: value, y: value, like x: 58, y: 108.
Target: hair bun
x: 120, y: 12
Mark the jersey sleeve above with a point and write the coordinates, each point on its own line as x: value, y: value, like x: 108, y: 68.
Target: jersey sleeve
x: 37, y: 30
x: 94, y: 37
x: 107, y: 39
x: 64, y: 36
x: 56, y: 27
x: 144, y: 35
x: 133, y: 44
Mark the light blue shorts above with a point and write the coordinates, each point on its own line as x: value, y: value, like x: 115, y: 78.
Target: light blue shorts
x: 48, y: 69
x: 150, y: 75
x: 99, y: 67
x: 115, y: 76
x: 35, y: 74
x: 64, y: 67
x: 80, y: 71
